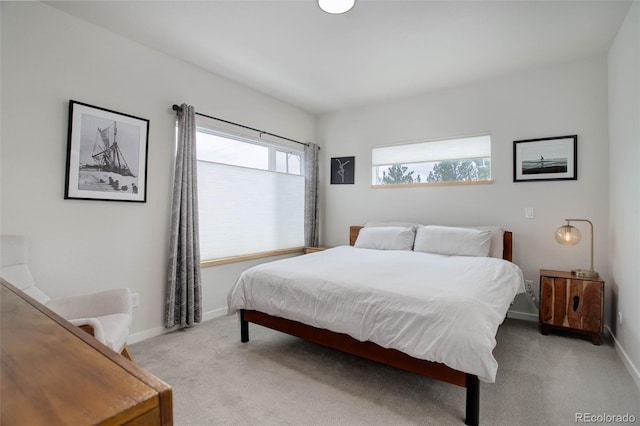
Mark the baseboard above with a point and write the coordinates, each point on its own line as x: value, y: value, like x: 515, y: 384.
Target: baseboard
x: 146, y: 334
x: 157, y: 331
x: 633, y: 369
x: 214, y: 314
x: 527, y: 316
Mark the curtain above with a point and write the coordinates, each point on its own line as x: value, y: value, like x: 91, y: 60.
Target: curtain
x: 183, y: 303
x: 311, y: 195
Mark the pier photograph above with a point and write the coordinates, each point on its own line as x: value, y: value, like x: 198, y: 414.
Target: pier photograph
x: 545, y: 159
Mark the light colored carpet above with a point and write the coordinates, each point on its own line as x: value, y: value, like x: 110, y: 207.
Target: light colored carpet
x: 277, y: 379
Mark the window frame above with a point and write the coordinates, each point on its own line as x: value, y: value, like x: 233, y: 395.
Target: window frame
x: 375, y: 169
x: 273, y: 148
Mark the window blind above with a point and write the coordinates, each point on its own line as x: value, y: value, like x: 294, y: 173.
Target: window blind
x: 423, y: 152
x: 245, y: 210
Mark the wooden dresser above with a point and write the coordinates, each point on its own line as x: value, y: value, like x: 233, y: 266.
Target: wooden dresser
x: 55, y: 373
x: 571, y: 303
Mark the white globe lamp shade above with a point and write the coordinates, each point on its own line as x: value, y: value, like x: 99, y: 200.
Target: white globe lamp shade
x: 568, y: 234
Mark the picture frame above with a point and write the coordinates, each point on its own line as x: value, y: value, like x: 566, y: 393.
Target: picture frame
x: 343, y: 170
x: 106, y: 155
x: 545, y: 159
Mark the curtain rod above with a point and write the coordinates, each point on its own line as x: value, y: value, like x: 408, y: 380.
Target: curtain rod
x: 177, y: 108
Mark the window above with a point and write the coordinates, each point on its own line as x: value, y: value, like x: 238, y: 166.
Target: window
x: 464, y: 159
x: 250, y: 194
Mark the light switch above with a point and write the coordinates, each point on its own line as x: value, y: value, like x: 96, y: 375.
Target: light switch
x: 529, y: 213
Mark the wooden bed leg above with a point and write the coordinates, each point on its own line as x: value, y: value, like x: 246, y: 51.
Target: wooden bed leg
x: 473, y: 400
x: 244, y: 328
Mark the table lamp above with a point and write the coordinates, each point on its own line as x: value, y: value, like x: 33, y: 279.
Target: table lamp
x: 570, y: 235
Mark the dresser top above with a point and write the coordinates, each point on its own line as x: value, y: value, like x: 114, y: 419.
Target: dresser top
x: 567, y: 275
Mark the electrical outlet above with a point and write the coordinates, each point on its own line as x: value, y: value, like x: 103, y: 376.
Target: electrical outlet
x: 135, y: 300
x: 529, y: 284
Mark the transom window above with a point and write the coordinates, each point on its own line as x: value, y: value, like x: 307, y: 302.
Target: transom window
x: 250, y: 195
x: 462, y: 159
x: 217, y: 147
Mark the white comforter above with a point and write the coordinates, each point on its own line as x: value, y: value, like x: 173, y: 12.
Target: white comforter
x: 439, y: 308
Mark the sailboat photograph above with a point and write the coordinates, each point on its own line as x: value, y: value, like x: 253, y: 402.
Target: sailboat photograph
x: 107, y: 154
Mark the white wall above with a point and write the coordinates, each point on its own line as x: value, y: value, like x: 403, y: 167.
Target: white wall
x: 49, y: 57
x: 624, y: 188
x: 553, y: 101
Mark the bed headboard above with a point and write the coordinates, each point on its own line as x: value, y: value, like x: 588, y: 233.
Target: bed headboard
x: 507, y: 253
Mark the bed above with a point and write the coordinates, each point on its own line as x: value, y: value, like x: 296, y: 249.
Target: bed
x: 408, y: 305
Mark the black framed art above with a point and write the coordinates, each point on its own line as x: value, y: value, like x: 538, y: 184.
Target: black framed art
x: 343, y: 170
x: 106, y: 155
x: 554, y: 158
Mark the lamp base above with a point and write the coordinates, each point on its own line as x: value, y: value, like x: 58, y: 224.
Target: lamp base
x: 584, y: 273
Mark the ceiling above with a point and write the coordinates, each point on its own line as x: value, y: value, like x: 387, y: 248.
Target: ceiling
x: 380, y: 50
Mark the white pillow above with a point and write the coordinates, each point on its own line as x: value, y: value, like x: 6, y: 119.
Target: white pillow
x: 453, y: 241
x: 386, y: 238
x: 497, y: 240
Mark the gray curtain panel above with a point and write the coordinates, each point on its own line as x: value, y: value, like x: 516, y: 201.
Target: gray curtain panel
x: 183, y: 303
x: 311, y: 195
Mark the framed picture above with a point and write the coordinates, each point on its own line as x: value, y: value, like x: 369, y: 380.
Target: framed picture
x: 343, y: 170
x: 106, y: 155
x: 545, y: 159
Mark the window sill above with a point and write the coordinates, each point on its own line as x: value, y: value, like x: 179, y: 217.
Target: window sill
x: 308, y: 250
x: 233, y: 259
x: 423, y: 184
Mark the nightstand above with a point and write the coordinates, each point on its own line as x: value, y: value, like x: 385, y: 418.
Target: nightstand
x: 571, y: 303
x: 308, y: 250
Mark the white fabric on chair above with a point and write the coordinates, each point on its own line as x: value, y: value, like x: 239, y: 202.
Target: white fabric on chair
x: 117, y: 301
x: 112, y: 330
x: 111, y: 308
x: 107, y: 312
x: 98, y: 332
x: 20, y: 277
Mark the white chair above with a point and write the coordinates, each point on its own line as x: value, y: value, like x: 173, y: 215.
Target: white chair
x: 106, y: 314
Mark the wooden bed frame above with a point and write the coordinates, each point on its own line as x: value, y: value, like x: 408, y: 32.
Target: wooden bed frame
x: 374, y: 352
